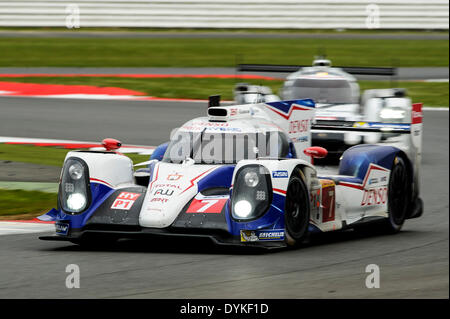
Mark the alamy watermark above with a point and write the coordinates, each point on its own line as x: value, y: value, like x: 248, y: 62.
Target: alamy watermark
x: 72, y: 16
x: 373, y: 16
x: 373, y: 279
x: 73, y: 279
x: 224, y: 145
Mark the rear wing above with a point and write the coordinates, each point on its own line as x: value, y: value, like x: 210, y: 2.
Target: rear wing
x: 295, y: 68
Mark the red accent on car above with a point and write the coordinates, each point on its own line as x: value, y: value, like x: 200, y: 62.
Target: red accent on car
x: 111, y: 144
x: 316, y: 152
x: 416, y: 114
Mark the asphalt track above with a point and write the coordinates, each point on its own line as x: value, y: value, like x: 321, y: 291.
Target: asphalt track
x: 413, y: 264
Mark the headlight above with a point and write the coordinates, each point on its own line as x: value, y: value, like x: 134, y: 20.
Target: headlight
x: 389, y: 113
x: 76, y: 201
x: 74, y: 192
x: 76, y: 171
x: 251, y: 196
x: 242, y: 208
x: 251, y: 179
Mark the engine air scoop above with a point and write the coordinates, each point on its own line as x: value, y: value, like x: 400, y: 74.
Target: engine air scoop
x: 111, y: 144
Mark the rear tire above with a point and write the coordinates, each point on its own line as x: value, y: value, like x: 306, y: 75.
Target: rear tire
x: 399, y: 197
x: 297, y: 210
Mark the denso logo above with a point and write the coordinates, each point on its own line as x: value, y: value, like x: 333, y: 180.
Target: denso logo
x: 280, y: 174
x: 298, y: 126
x: 374, y: 196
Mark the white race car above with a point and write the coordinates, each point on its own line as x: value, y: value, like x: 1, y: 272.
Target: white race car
x: 337, y: 95
x: 242, y: 175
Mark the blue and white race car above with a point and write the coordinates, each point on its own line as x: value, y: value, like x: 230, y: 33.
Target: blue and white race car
x: 242, y: 175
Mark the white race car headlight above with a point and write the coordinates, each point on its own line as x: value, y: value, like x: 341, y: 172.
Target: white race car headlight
x: 252, y: 192
x: 251, y: 179
x: 76, y: 201
x: 74, y: 190
x: 76, y: 171
x: 242, y: 209
x: 391, y: 113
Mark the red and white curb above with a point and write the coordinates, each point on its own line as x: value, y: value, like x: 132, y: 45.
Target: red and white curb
x: 13, y: 89
x: 17, y: 89
x: 25, y: 227
x: 70, y: 144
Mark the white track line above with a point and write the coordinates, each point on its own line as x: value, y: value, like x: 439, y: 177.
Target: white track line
x: 443, y: 108
x: 14, y: 228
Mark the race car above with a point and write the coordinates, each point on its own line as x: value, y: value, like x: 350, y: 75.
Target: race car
x: 242, y: 175
x: 337, y: 95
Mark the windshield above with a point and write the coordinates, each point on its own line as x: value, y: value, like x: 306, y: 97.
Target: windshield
x: 225, y: 148
x: 321, y: 90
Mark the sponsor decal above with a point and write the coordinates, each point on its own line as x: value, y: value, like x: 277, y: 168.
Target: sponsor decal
x: 328, y: 200
x: 360, y: 124
x: 280, y: 174
x: 373, y: 181
x: 207, y: 206
x: 298, y: 126
x: 159, y: 199
x: 174, y: 177
x: 262, y: 235
x: 62, y: 228
x: 125, y: 201
x: 314, y: 200
x: 374, y: 196
x: 164, y: 192
x: 301, y: 139
x: 166, y: 186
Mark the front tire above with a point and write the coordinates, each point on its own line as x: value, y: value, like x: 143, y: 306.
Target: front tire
x: 297, y: 210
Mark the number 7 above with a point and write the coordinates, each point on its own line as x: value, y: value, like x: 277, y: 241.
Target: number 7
x: 208, y: 203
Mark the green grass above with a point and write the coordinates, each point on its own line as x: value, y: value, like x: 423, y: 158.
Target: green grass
x: 21, y: 204
x: 216, y: 52
x: 431, y: 94
x: 52, y: 156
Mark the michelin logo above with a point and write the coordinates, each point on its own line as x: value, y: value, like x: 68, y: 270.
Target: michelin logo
x: 262, y: 235
x: 280, y: 174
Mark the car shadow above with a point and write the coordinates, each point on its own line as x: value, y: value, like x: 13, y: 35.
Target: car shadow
x: 202, y: 246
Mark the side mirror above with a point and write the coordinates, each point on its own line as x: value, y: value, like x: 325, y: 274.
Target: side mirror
x: 111, y: 144
x: 315, y: 152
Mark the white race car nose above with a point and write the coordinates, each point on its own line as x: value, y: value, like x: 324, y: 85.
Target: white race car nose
x: 171, y: 188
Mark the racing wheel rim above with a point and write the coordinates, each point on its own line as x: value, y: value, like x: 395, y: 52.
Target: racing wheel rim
x: 398, y: 192
x: 297, y: 208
